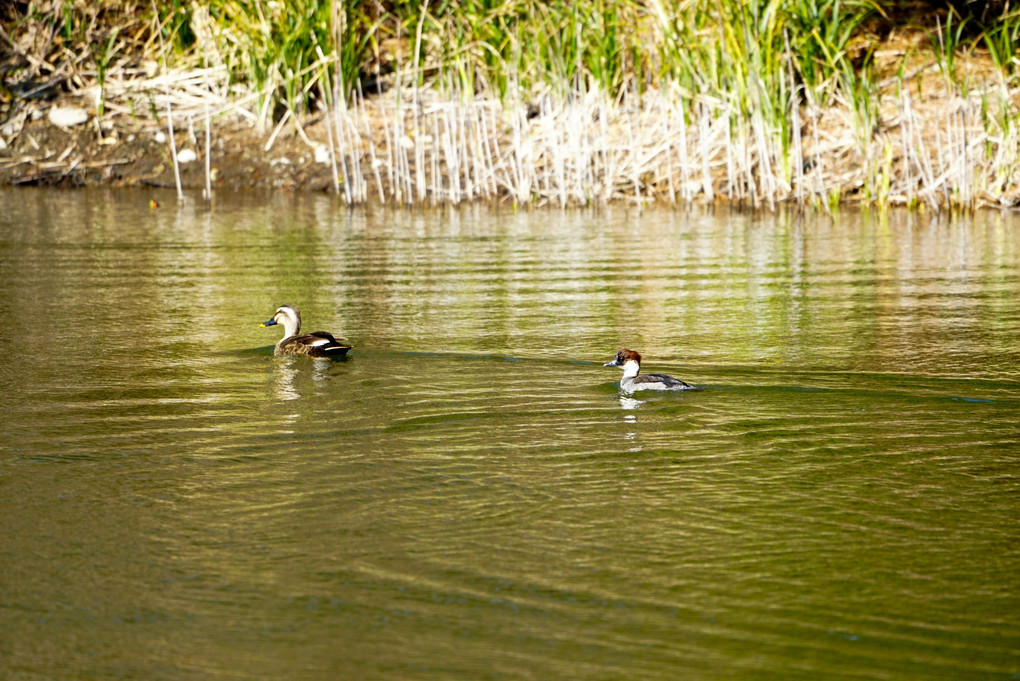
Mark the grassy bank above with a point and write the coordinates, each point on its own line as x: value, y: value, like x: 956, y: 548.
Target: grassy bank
x: 809, y: 101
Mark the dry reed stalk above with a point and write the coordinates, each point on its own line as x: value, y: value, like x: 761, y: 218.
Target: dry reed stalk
x: 173, y: 149
x: 540, y: 165
x: 587, y: 163
x: 451, y: 142
x: 169, y: 111
x: 419, y: 152
x: 516, y: 153
x: 208, y: 156
x: 963, y: 151
x: 330, y: 142
x: 341, y: 153
x: 208, y: 161
x: 360, y: 179
x: 766, y: 179
x: 945, y: 166
x: 472, y: 150
x: 388, y: 147
x: 958, y: 151
x: 731, y: 173
x: 667, y: 123
x: 407, y: 145
x: 488, y: 151
x: 396, y: 143
x: 704, y: 127
x: 929, y: 185
x: 403, y: 144
x: 492, y: 152
x: 688, y: 193
x: 634, y: 175
x: 421, y: 182
x: 476, y: 149
x: 818, y: 188
x: 745, y: 186
x: 906, y: 147
x: 461, y: 123
x: 607, y: 167
x: 456, y: 162
x: 436, y: 147
x: 277, y: 130
x: 797, y: 171
x: 373, y: 159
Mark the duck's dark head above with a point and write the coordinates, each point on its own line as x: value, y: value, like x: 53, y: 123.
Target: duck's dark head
x: 623, y: 356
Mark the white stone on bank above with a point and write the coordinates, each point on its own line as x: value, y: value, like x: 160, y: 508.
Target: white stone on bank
x: 322, y: 155
x: 67, y: 116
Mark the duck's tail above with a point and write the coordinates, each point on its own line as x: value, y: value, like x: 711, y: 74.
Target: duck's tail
x: 337, y: 350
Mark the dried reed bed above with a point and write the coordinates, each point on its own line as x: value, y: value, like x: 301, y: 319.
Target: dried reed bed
x: 949, y: 149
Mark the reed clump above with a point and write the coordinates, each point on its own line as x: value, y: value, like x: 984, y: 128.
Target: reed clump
x: 816, y: 102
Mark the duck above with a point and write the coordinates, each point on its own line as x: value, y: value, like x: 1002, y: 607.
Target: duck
x: 630, y: 362
x: 319, y: 344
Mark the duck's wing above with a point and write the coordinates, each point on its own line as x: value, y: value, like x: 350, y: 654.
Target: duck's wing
x: 335, y: 347
x: 330, y: 337
x: 670, y: 382
x: 317, y: 344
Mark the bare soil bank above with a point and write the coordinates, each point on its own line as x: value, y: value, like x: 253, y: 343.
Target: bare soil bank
x: 120, y: 154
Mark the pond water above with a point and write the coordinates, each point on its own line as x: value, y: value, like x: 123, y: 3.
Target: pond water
x: 468, y: 495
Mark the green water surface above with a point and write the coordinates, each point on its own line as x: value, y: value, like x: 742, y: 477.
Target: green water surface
x: 469, y: 495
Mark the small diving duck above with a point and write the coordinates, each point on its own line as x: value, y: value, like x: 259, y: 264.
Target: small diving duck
x: 316, y: 344
x: 630, y: 362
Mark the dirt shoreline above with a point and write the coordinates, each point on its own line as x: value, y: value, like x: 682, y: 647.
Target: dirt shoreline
x: 118, y: 153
